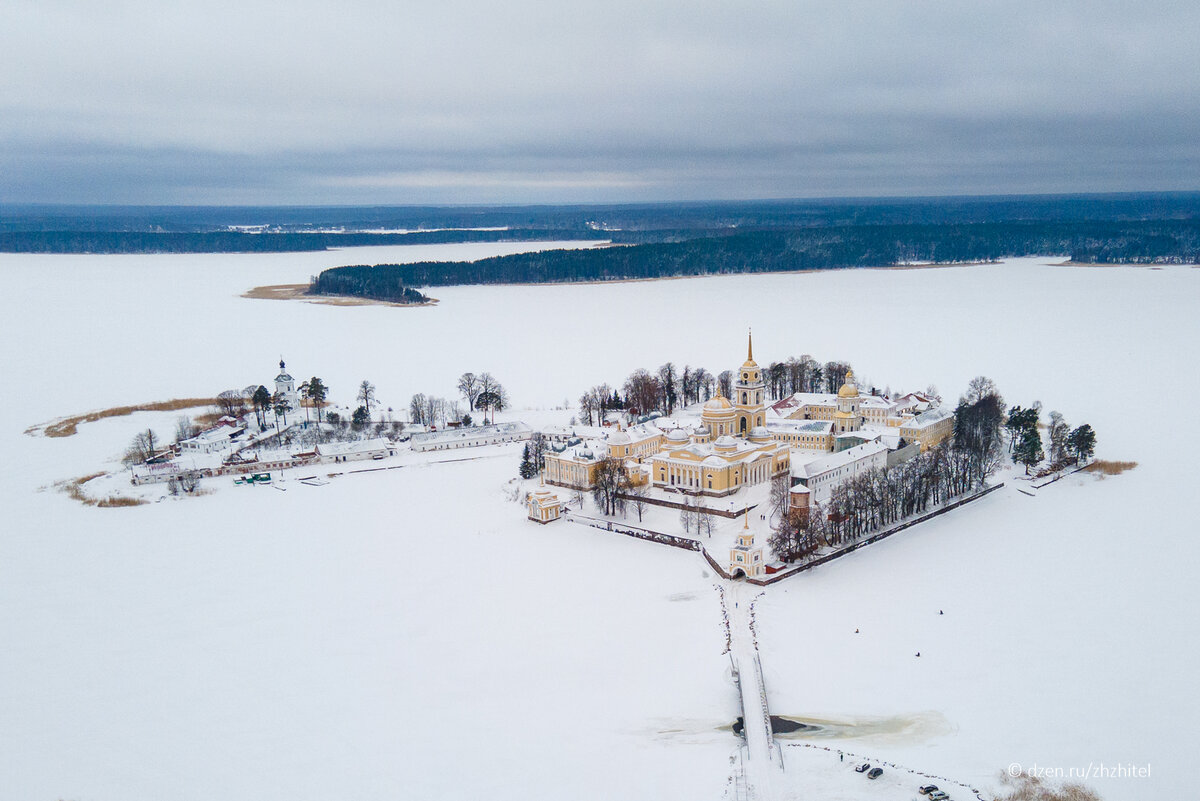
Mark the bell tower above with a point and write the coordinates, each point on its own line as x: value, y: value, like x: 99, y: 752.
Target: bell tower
x: 749, y: 393
x: 848, y: 416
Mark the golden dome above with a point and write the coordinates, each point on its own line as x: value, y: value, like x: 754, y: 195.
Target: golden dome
x: 849, y: 389
x: 719, y: 403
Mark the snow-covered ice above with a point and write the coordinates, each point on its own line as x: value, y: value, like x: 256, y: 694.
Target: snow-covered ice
x: 408, y: 634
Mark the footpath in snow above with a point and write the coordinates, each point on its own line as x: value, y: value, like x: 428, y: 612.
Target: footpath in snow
x: 762, y: 758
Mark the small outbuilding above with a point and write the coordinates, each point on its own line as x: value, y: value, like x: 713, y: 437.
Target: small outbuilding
x: 543, y: 506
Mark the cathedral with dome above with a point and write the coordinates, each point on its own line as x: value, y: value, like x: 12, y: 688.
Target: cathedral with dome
x: 732, y: 447
x: 740, y: 441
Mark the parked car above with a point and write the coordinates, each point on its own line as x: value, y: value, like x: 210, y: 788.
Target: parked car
x: 938, y: 795
x: 863, y: 768
x: 875, y: 773
x: 927, y: 789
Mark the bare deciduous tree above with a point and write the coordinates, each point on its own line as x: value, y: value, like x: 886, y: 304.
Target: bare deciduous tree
x: 688, y: 515
x: 468, y: 386
x: 725, y: 383
x: 143, y: 448
x: 637, y: 499
x: 416, y: 409
x: 232, y: 403
x: 184, y: 428
x: 781, y: 494
x: 610, y: 481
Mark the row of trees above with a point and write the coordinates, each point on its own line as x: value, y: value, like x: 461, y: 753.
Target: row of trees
x: 1067, y: 445
x: 430, y: 410
x: 483, y: 393
x: 262, y: 401
x: 804, y: 374
x: 669, y: 387
x: 881, y: 497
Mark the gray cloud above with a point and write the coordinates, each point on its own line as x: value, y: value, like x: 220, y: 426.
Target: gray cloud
x: 535, y: 101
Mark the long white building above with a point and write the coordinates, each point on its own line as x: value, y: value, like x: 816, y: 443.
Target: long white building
x: 820, y: 476
x: 470, y: 436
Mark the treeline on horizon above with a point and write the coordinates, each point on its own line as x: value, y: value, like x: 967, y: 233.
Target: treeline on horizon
x: 215, y: 229
x: 240, y: 242
x: 800, y: 249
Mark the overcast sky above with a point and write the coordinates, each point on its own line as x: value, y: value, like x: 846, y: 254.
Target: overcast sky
x: 529, y: 101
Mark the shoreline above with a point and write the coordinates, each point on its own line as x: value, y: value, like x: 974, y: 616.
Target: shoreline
x: 299, y: 291
x: 1146, y: 265
x: 930, y: 266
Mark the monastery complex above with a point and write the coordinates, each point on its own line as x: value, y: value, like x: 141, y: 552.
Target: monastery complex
x: 816, y: 439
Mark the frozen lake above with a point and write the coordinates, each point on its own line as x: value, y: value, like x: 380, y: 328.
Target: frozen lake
x: 315, y: 645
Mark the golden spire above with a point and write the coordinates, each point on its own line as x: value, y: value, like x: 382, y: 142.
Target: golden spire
x: 746, y: 527
x: 750, y: 345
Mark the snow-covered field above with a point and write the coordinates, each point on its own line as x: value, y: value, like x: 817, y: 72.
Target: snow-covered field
x: 408, y: 634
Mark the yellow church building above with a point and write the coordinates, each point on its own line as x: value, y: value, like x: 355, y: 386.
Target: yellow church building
x: 730, y: 450
x: 738, y: 443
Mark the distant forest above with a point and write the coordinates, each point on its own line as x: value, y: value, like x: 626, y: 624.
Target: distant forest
x: 799, y: 233
x: 240, y: 242
x: 798, y: 249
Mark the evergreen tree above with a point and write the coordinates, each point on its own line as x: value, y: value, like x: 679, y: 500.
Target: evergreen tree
x: 1018, y: 420
x: 262, y: 401
x: 527, y: 468
x: 316, y: 392
x: 360, y: 418
x: 1082, y: 442
x: 281, y: 405
x: 1029, y: 449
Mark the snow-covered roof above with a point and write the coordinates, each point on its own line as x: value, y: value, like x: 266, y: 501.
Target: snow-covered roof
x: 789, y: 405
x: 800, y: 426
x: 618, y: 438
x: 928, y: 418
x: 726, y: 450
x: 180, y: 464
x: 471, y: 432
x: 356, y: 446
x: 835, y: 460
x: 218, y: 434
x: 633, y: 434
x: 913, y: 400
x: 583, y: 452
x: 863, y: 435
x: 876, y: 401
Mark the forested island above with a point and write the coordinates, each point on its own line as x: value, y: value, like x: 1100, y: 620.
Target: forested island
x: 838, y: 247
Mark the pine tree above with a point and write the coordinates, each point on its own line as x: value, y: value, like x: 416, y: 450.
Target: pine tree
x: 527, y: 468
x: 1082, y: 442
x: 316, y: 392
x: 366, y: 395
x: 262, y: 402
x: 1029, y: 449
